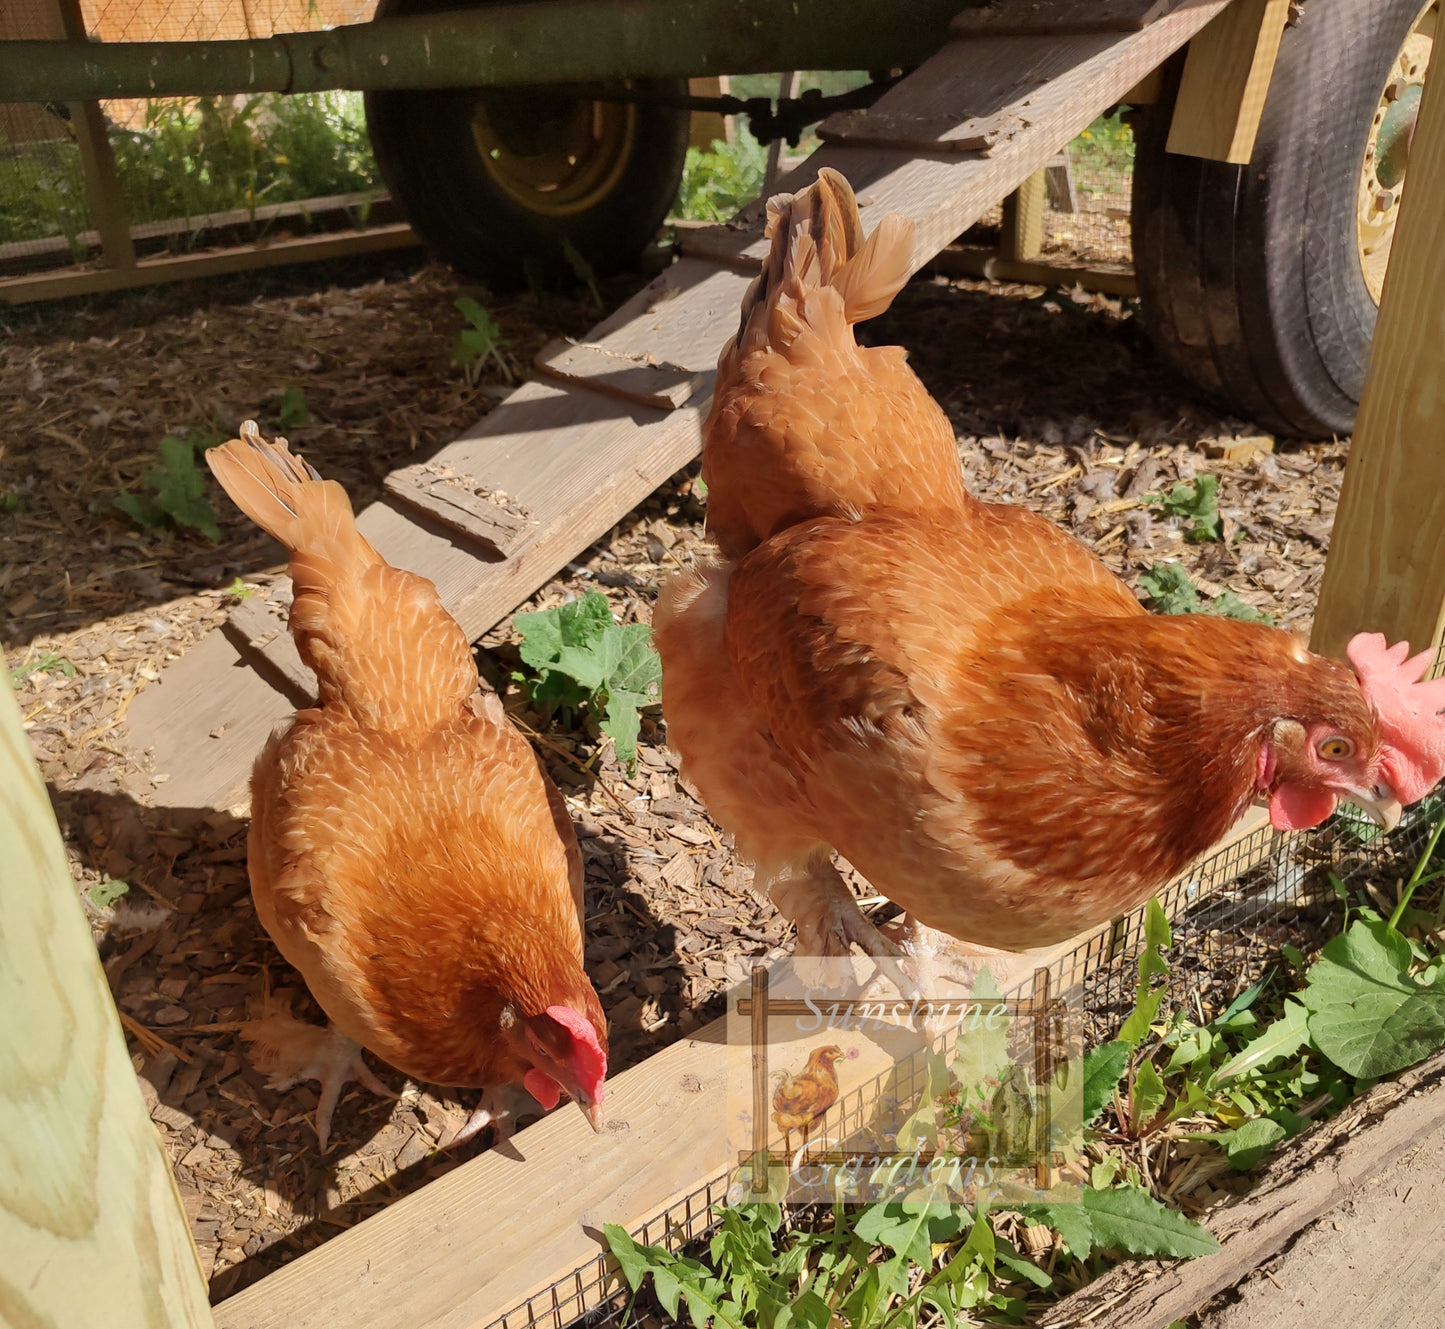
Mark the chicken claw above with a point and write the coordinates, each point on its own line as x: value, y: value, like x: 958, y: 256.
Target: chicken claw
x: 812, y: 893
x: 501, y: 1108
x: 289, y: 1051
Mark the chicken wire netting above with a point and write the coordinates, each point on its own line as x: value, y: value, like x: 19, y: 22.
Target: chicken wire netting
x: 191, y: 171
x: 1230, y: 914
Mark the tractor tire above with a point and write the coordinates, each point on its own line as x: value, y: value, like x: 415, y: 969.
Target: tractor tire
x: 1260, y: 283
x: 522, y: 185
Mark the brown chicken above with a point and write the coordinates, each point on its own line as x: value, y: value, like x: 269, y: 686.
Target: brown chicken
x: 800, y: 1100
x: 408, y: 853
x: 957, y: 696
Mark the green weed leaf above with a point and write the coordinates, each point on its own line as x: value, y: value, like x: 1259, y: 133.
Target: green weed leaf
x: 585, y: 661
x: 1367, y: 1014
x: 1247, y: 1144
x: 1134, y: 1221
x: 1281, y: 1038
x: 106, y: 893
x: 1104, y: 1067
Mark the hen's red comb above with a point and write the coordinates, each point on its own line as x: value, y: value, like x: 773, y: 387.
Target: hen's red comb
x: 1412, y: 729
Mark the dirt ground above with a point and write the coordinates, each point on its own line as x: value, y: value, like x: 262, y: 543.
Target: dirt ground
x: 1057, y: 401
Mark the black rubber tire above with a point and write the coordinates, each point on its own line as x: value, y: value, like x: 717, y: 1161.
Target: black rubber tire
x: 1249, y: 276
x: 429, y: 159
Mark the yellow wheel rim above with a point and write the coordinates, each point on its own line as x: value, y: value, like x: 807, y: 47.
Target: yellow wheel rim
x: 554, y: 155
x: 1382, y: 175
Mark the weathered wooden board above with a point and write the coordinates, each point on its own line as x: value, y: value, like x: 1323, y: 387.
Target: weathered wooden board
x: 1056, y: 18
x: 1050, y: 89
x: 1226, y: 78
x: 639, y: 378
x: 1308, y: 1177
x: 1386, y: 566
x: 92, y: 1234
x: 207, y: 263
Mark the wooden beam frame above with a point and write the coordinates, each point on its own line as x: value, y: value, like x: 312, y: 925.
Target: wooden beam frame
x: 1386, y: 566
x: 1226, y: 77
x: 208, y: 263
x: 97, y: 162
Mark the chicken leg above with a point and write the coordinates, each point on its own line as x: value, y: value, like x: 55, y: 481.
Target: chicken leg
x: 289, y: 1051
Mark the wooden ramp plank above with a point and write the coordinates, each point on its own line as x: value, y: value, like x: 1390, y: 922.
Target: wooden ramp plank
x: 1053, y: 89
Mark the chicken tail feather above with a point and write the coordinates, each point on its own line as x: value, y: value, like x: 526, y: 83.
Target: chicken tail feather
x: 818, y: 245
x: 379, y: 639
x: 287, y: 498
x: 805, y: 422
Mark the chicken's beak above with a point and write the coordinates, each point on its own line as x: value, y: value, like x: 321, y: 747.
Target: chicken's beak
x: 1379, y: 804
x: 593, y: 1113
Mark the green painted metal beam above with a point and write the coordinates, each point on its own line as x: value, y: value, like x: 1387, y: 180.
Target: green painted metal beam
x: 554, y: 41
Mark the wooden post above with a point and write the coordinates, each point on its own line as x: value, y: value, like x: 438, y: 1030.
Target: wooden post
x: 1386, y: 566
x: 708, y: 127
x: 1226, y: 77
x: 762, y: 1160
x: 92, y: 1235
x: 102, y: 185
x: 1023, y: 219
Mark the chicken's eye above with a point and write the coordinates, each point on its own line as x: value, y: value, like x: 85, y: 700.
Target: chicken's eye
x: 1336, y: 748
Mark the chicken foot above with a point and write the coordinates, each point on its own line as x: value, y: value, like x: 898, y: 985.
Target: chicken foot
x: 812, y: 893
x: 290, y: 1050
x: 501, y: 1107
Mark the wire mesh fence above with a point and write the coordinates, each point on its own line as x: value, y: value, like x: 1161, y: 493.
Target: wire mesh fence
x: 189, y: 170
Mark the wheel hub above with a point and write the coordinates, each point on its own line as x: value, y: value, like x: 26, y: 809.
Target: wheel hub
x: 556, y: 156
x: 1382, y: 175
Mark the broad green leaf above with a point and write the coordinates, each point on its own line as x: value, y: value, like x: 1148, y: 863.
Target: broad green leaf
x: 580, y: 624
x: 1247, y: 1144
x: 635, y: 665
x: 1149, y: 1095
x: 1136, y: 1028
x: 909, y: 1229
x: 1134, y: 1221
x: 1070, y: 1220
x: 1367, y: 1015
x: 1284, y: 1036
x: 635, y: 1261
x: 1103, y: 1069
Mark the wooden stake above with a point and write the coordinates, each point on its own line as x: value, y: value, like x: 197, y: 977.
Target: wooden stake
x: 91, y: 1227
x: 1386, y: 566
x: 1226, y: 77
x: 102, y: 184
x: 761, y: 1162
x: 708, y: 127
x: 1023, y: 219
